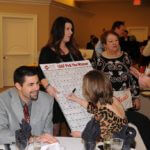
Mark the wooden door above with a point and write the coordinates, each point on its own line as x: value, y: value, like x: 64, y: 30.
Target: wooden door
x: 18, y: 44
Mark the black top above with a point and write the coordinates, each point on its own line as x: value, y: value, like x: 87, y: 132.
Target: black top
x: 117, y: 70
x: 48, y: 55
x: 90, y: 45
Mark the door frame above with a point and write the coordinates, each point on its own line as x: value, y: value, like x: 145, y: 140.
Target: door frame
x: 14, y: 15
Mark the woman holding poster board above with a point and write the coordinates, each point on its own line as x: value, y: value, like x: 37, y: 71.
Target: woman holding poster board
x: 116, y: 63
x: 60, y: 47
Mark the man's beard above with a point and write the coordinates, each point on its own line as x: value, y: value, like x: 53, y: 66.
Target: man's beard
x: 35, y: 97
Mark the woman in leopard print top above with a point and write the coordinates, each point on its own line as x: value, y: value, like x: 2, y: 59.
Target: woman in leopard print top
x: 109, y: 121
x: 107, y: 110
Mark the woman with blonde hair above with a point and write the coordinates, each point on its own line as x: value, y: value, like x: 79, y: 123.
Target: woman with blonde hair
x: 99, y: 100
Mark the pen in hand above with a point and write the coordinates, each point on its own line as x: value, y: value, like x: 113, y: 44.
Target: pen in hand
x: 73, y: 90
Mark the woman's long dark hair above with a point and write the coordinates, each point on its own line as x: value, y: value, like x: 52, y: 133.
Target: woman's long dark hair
x: 57, y: 34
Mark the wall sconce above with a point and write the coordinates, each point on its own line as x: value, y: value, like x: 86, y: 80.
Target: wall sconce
x: 137, y: 2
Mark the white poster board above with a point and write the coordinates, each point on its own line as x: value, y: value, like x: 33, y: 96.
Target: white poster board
x: 65, y: 77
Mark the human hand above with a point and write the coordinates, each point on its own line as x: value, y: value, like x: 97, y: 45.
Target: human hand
x: 135, y: 72
x: 137, y: 104
x: 46, y: 138
x: 52, y: 91
x: 78, y: 100
x: 76, y: 134
x: 73, y: 97
x: 144, y: 81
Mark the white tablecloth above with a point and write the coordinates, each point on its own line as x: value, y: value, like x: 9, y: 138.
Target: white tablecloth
x: 70, y: 143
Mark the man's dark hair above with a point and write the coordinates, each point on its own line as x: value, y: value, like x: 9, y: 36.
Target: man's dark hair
x: 117, y: 24
x: 23, y: 71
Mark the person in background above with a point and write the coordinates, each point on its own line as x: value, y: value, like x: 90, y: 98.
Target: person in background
x: 95, y: 40
x: 126, y: 36
x: 25, y: 101
x: 126, y: 42
x: 90, y: 44
x: 60, y: 47
x: 116, y: 63
x: 99, y: 48
x: 119, y: 28
x: 99, y: 100
x: 143, y: 78
x: 130, y: 46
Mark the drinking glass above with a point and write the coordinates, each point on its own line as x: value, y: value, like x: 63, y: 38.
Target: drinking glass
x: 116, y: 144
x: 107, y: 145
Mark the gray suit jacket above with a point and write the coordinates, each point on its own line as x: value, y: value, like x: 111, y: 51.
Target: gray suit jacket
x: 11, y: 114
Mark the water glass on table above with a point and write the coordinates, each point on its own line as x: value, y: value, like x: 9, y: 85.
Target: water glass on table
x: 116, y: 144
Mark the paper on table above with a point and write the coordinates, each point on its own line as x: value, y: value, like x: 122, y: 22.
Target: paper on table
x: 44, y: 146
x: 54, y: 146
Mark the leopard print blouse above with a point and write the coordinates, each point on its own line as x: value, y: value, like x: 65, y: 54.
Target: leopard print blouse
x: 109, y: 122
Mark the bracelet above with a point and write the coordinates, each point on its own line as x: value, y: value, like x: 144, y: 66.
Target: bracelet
x: 47, y: 86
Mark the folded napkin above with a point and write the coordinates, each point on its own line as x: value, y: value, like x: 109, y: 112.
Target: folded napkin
x: 23, y: 134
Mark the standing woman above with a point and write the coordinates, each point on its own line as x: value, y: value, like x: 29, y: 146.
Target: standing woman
x: 116, y: 63
x: 60, y: 48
